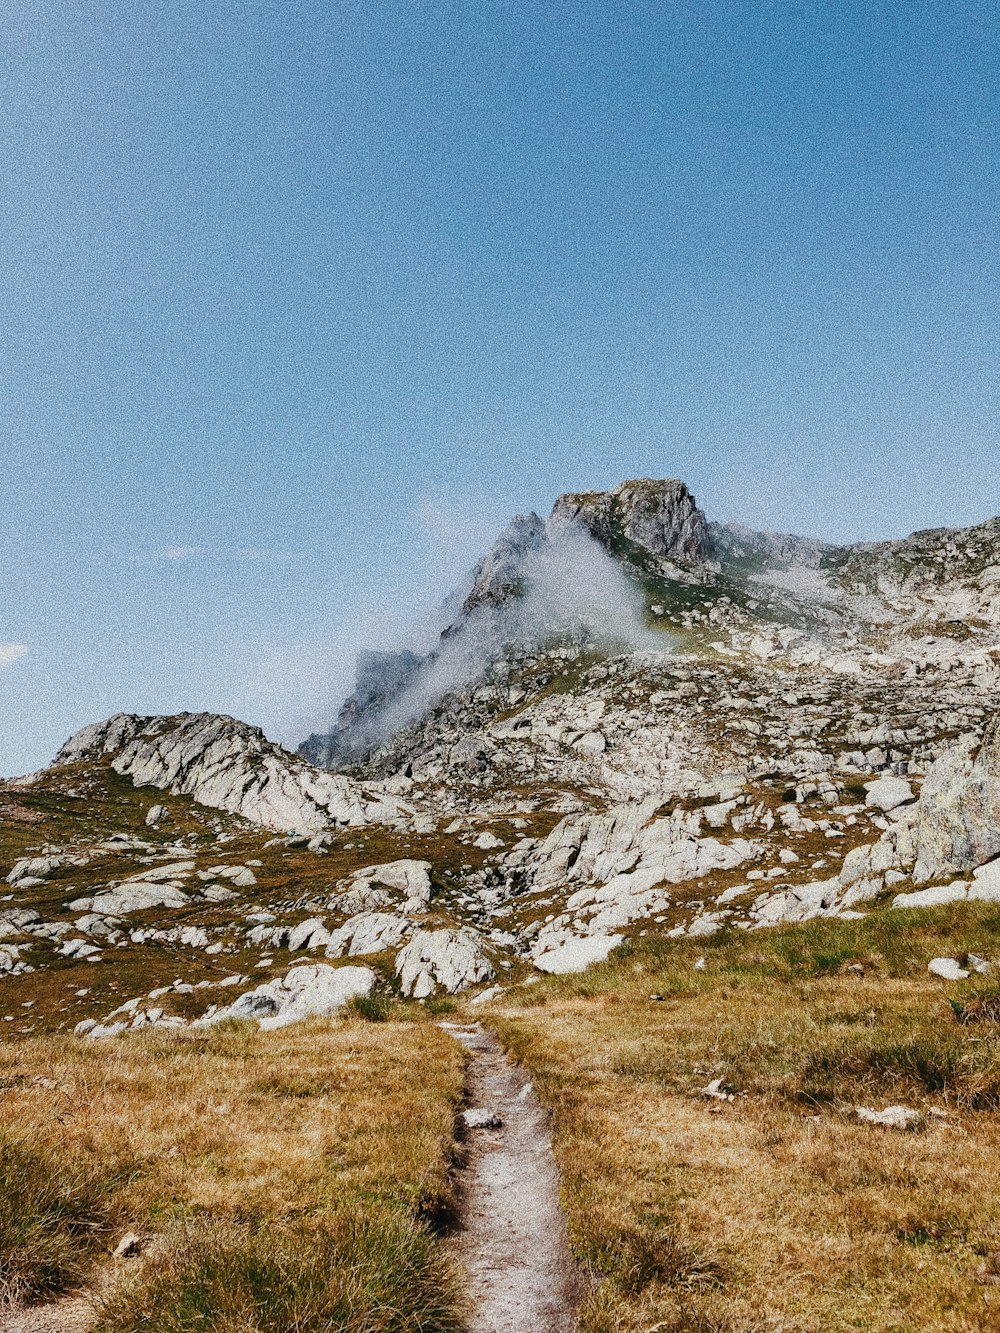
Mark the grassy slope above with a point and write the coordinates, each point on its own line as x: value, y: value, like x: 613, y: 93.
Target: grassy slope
x: 778, y: 1209
x: 288, y: 1176
x: 293, y: 882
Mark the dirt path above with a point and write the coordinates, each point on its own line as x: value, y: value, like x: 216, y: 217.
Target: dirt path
x: 512, y: 1241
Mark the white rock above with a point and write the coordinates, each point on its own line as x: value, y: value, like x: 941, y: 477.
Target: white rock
x: 703, y: 926
x: 893, y: 1117
x: 947, y: 968
x: 34, y: 868
x: 311, y: 934
x: 174, y: 870
x: 132, y: 897
x: 101, y: 1031
x: 936, y: 897
x: 407, y: 876
x: 716, y: 1090
x: 452, y: 959
x: 988, y: 875
x: 368, y: 932
x: 591, y: 743
x: 218, y: 893
x: 228, y: 765
x: 481, y: 1118
x: 304, y: 992
x: 576, y: 954
x: 887, y: 793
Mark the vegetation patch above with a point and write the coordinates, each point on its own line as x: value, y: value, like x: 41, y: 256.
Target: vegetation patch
x: 360, y: 1270
x: 55, y: 1211
x: 308, y: 1159
x: 715, y: 1172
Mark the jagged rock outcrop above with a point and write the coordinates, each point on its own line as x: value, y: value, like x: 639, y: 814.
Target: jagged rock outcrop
x: 643, y: 523
x: 624, y: 858
x: 957, y: 825
x: 228, y: 765
x: 660, y: 517
x: 451, y: 959
x: 498, y: 575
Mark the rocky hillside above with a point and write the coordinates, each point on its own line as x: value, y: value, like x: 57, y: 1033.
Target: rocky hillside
x: 721, y: 591
x: 796, y: 731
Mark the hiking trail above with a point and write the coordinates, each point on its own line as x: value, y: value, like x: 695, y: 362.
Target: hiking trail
x: 512, y: 1241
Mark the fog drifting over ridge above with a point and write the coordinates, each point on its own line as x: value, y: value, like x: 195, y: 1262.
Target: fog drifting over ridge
x: 570, y: 585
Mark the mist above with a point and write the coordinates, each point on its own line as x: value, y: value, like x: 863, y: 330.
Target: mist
x: 569, y: 586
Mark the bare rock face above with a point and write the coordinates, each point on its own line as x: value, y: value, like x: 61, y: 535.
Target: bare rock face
x: 224, y: 764
x: 451, y: 959
x: 660, y: 517
x: 498, y: 574
x: 958, y: 814
x: 307, y: 991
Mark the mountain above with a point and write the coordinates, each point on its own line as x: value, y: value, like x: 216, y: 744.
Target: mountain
x: 636, y: 722
x: 718, y: 589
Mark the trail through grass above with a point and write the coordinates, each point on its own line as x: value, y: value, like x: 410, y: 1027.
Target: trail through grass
x: 777, y: 1209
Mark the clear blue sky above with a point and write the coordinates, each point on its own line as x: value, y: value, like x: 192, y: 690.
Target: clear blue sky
x: 300, y: 301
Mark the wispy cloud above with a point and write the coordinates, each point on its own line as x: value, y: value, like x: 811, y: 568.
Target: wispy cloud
x: 181, y: 552
x: 220, y: 554
x: 11, y: 653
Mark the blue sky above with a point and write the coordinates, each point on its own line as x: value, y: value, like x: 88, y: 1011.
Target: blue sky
x: 300, y: 302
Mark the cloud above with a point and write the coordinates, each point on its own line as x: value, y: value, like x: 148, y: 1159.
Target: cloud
x: 570, y: 587
x: 453, y: 531
x: 244, y: 554
x: 11, y: 653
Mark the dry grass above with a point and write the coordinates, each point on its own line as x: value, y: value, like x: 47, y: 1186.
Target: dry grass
x: 286, y: 1179
x: 778, y: 1209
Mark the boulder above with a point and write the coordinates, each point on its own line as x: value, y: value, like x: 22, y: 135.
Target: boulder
x: 133, y: 896
x: 957, y: 827
x: 33, y: 868
x: 407, y: 876
x: 949, y: 969
x: 304, y: 992
x: 576, y: 954
x: 481, y: 1117
x: 936, y: 897
x: 449, y: 958
x: 886, y: 794
x: 368, y: 932
x: 311, y: 934
x: 893, y: 1117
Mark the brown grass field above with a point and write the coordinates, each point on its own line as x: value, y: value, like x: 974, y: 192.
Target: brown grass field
x: 778, y: 1209
x: 281, y: 1180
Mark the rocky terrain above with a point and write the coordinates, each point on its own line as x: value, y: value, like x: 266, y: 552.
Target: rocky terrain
x: 737, y: 729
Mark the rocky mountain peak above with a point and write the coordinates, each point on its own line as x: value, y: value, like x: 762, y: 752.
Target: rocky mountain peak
x: 660, y: 517
x: 498, y: 574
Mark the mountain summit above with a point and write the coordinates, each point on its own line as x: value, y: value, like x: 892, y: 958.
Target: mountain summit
x: 639, y: 568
